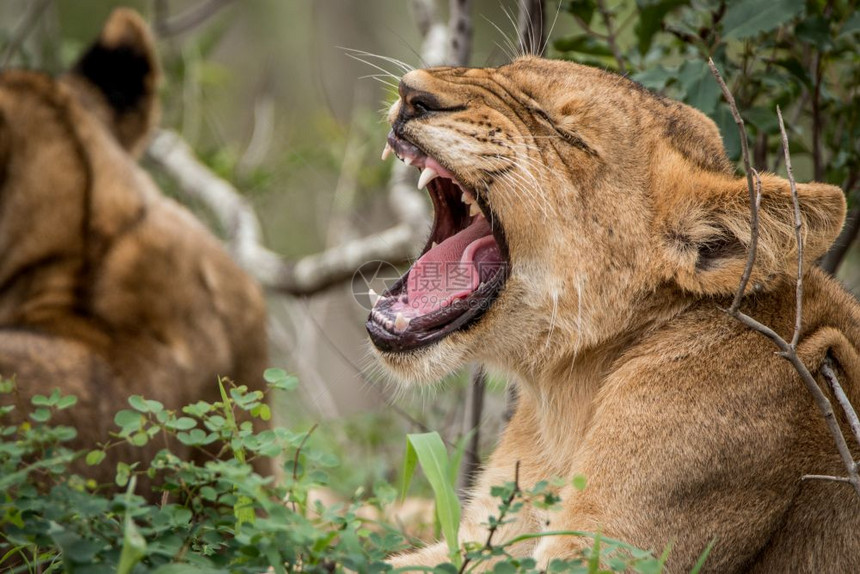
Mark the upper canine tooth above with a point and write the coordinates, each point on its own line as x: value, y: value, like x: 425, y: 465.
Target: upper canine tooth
x: 401, y: 322
x: 466, y: 198
x: 474, y: 209
x: 407, y: 160
x: 386, y: 151
x: 428, y: 175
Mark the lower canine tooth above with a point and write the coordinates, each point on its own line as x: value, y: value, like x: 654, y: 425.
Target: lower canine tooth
x: 386, y: 151
x: 407, y: 160
x: 373, y: 296
x: 428, y: 175
x: 401, y: 322
x: 474, y: 209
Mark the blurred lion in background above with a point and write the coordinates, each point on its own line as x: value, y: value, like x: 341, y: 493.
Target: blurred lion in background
x: 108, y: 288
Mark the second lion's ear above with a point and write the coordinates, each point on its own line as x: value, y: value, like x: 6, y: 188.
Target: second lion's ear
x: 121, y: 69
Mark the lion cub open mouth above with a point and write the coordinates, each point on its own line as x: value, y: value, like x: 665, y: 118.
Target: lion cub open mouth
x: 461, y: 270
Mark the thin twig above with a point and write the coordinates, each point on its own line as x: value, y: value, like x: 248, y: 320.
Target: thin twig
x: 503, y: 511
x: 825, y: 477
x: 790, y: 354
x: 755, y: 197
x: 842, y: 399
x: 610, y: 36
x: 798, y: 234
x: 24, y: 29
x: 787, y: 350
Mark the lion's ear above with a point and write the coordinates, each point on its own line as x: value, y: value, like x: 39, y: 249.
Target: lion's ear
x: 121, y: 66
x: 707, y: 230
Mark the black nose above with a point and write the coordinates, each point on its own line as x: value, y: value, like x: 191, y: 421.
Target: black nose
x: 415, y: 103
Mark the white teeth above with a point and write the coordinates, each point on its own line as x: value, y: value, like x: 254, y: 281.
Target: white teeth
x: 401, y: 322
x: 465, y: 198
x: 407, y: 160
x: 386, y: 151
x: 373, y: 296
x: 428, y: 175
x: 433, y: 245
x: 474, y: 209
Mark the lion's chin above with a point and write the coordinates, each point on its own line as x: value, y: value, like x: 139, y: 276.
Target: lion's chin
x: 424, y: 366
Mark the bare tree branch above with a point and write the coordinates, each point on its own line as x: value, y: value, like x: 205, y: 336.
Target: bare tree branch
x: 787, y: 350
x: 187, y: 20
x: 460, y: 32
x: 798, y: 234
x: 610, y: 36
x: 472, y: 460
x: 316, y: 272
x: 28, y: 23
x: 842, y: 399
x: 307, y: 275
x: 755, y: 196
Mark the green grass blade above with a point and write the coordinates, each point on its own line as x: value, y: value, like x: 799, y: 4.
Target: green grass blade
x: 457, y: 458
x: 700, y: 563
x: 431, y: 453
x: 133, y: 543
x: 410, y: 461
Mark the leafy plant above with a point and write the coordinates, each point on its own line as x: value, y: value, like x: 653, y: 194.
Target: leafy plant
x: 218, y: 516
x: 799, y: 54
x: 605, y: 554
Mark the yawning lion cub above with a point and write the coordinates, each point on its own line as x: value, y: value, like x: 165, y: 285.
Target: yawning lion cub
x: 107, y: 288
x: 587, y: 235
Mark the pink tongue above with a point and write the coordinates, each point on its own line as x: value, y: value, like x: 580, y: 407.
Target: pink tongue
x: 448, y: 271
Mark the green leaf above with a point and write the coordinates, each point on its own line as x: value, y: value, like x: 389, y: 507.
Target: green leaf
x: 182, y: 423
x: 851, y: 26
x: 583, y: 9
x: 94, y: 457
x: 430, y: 452
x: 41, y: 401
x: 262, y: 411
x: 594, y: 558
x: 729, y: 130
x: 655, y: 78
x: 700, y: 88
x: 651, y: 16
x: 66, y: 402
x: 133, y: 543
x: 747, y: 18
x: 815, y: 31
x: 582, y: 44
x: 279, y: 379
x: 127, y: 419
x: 579, y: 482
x: 41, y: 415
x: 763, y: 119
x: 138, y: 403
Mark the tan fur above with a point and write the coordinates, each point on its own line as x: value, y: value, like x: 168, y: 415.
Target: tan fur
x: 107, y: 288
x: 628, y: 231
